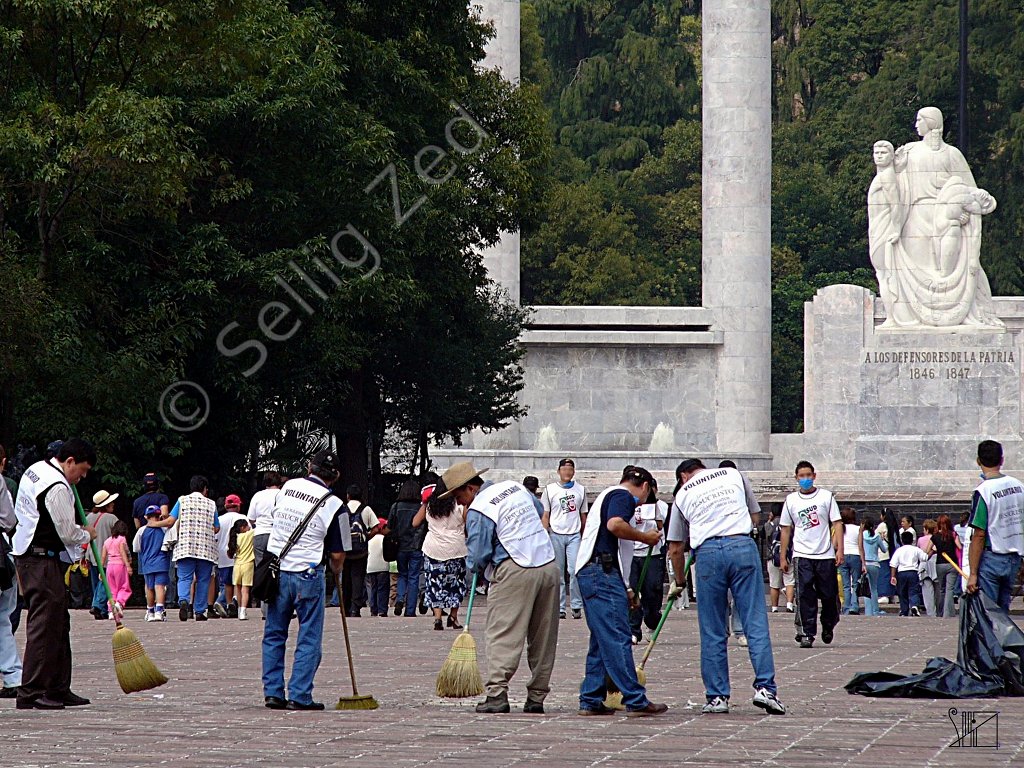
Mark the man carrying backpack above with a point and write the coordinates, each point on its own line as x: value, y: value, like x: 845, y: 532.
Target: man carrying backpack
x: 365, y: 526
x: 776, y: 578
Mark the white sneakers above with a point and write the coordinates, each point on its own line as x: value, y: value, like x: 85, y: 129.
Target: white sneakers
x: 775, y: 609
x: 742, y: 640
x: 883, y: 601
x: 241, y: 614
x: 719, y: 705
x: 769, y: 702
x: 150, y: 616
x: 790, y: 608
x: 156, y: 616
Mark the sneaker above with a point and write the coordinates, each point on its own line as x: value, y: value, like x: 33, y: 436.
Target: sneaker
x: 719, y: 705
x: 151, y: 616
x: 826, y: 636
x: 769, y: 702
x: 220, y: 611
x: 883, y: 601
x: 561, y: 614
x: 399, y: 607
x: 160, y: 616
x: 790, y: 608
x: 807, y: 642
x: 742, y: 640
x: 636, y: 639
x: 233, y: 609
x: 914, y: 611
x: 775, y: 609
x: 183, y: 610
x: 577, y: 613
x: 241, y: 614
x: 201, y: 616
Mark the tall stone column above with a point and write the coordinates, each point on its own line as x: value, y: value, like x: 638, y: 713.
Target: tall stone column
x: 502, y: 53
x: 736, y: 196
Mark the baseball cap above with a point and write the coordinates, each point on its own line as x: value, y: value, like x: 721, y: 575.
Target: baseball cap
x: 152, y: 510
x: 233, y: 499
x: 327, y: 460
x: 689, y: 465
x: 150, y: 478
x: 426, y: 493
x: 568, y: 462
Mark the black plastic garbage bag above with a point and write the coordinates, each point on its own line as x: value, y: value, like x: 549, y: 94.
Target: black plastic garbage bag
x: 988, y: 661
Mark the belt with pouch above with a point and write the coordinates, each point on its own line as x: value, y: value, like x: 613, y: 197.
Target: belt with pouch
x: 608, y: 563
x: 41, y: 552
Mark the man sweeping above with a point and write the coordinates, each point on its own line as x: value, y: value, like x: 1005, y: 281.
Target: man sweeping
x: 602, y: 568
x: 508, y: 544
x: 46, y: 530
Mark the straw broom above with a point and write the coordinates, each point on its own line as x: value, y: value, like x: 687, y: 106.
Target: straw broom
x: 460, y: 675
x: 357, y: 700
x: 613, y: 699
x: 135, y: 672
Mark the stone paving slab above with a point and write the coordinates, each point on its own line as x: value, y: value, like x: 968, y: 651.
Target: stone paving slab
x: 210, y: 714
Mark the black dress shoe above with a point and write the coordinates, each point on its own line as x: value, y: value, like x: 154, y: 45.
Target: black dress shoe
x: 439, y: 625
x: 313, y: 706
x: 494, y: 705
x: 74, y: 700
x: 41, y: 703
x: 9, y: 693
x: 274, y: 702
x: 533, y: 708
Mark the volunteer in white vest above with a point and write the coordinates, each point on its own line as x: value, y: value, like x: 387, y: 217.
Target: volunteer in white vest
x: 45, y: 509
x: 606, y: 555
x: 565, y: 515
x: 301, y: 590
x: 508, y: 544
x: 811, y: 518
x: 997, y: 520
x: 715, y: 511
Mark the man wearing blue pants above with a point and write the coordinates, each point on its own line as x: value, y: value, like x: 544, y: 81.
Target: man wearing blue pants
x: 606, y: 554
x: 564, y: 517
x: 997, y: 519
x: 714, y: 511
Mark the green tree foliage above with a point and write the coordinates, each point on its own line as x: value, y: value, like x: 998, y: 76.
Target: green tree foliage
x: 162, y: 165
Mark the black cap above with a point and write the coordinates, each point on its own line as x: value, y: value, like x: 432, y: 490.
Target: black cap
x: 565, y: 462
x: 639, y: 476
x: 689, y: 465
x: 326, y: 460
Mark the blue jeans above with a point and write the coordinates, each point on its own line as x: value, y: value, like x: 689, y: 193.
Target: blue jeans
x: 567, y: 547
x: 409, y: 566
x: 611, y: 652
x: 732, y: 565
x: 190, y: 568
x: 172, y: 584
x: 303, y: 593
x: 997, y: 576
x: 871, y: 603
x: 908, y: 585
x: 10, y: 661
x: 850, y: 570
x: 224, y: 578
x: 378, y: 586
x: 99, y: 594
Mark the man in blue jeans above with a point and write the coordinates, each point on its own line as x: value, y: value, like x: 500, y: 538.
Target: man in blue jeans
x: 713, y: 510
x: 307, y: 511
x: 997, y: 518
x: 564, y: 517
x: 606, y: 554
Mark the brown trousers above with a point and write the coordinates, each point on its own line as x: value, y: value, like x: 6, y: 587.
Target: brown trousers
x: 522, y: 608
x: 47, y: 665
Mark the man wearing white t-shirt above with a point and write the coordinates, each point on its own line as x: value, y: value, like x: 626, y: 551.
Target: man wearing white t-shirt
x: 997, y: 520
x: 715, y: 510
x: 565, y: 516
x: 808, y: 517
x: 649, y: 516
x: 301, y: 590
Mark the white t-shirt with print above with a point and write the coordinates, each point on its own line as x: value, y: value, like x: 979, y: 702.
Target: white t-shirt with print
x: 294, y: 502
x: 645, y: 519
x: 809, y: 516
x: 565, y: 506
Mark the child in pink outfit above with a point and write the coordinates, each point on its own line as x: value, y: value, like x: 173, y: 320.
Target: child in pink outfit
x: 118, y: 564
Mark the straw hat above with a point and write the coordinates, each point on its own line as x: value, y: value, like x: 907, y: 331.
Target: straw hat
x: 103, y: 498
x: 458, y: 475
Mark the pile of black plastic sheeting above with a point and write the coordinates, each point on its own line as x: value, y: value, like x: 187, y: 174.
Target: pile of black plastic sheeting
x: 988, y: 661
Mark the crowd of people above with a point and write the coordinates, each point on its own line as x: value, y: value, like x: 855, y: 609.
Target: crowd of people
x: 541, y: 554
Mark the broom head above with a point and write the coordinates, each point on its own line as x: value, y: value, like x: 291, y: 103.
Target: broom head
x: 460, y: 675
x: 362, y: 701
x: 613, y: 699
x: 135, y: 671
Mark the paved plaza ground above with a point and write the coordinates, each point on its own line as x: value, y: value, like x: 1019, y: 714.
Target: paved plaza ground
x: 211, y: 712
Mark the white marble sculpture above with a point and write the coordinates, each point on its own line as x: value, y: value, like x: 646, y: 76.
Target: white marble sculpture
x: 924, y: 234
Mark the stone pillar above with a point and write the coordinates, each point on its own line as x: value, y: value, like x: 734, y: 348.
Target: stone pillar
x: 736, y: 196
x: 502, y: 53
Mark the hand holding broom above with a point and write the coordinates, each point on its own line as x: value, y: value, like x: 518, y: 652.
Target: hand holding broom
x: 135, y: 672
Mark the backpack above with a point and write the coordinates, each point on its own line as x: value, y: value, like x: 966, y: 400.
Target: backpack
x: 389, y: 550
x: 775, y: 547
x: 360, y: 534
